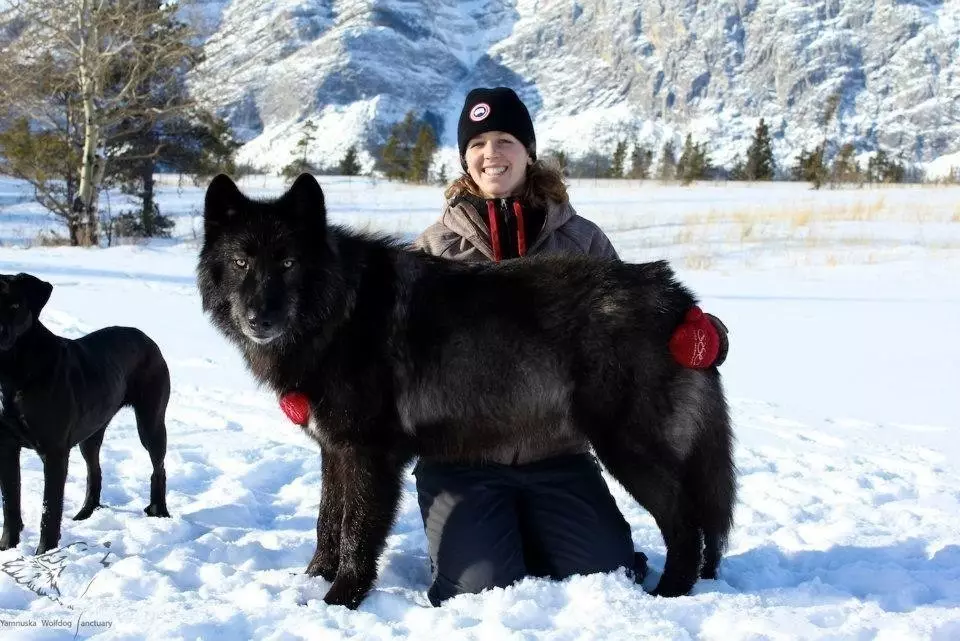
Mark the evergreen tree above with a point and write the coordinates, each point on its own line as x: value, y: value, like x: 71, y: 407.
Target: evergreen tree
x: 845, y: 168
x: 619, y: 155
x: 668, y: 162
x: 811, y: 167
x: 349, y: 165
x: 396, y: 155
x: 299, y: 163
x: 563, y: 162
x: 760, y: 163
x: 880, y: 168
x: 694, y: 163
x: 641, y: 159
x: 738, y: 171
x: 421, y: 156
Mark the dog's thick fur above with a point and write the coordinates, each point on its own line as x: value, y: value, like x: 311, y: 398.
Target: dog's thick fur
x: 403, y: 354
x: 56, y: 393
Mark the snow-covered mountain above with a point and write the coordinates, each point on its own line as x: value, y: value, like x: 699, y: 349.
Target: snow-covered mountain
x: 592, y: 71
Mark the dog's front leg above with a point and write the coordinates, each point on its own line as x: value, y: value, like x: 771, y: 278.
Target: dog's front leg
x: 10, y: 490
x: 326, y: 559
x: 54, y: 480
x: 371, y: 496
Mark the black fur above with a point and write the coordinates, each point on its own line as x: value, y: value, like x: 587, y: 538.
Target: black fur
x: 56, y: 393
x: 403, y: 354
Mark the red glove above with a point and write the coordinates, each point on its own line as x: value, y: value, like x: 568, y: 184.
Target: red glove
x: 700, y: 341
x: 296, y: 406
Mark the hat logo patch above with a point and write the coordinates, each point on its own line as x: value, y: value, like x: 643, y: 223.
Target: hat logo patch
x: 479, y: 112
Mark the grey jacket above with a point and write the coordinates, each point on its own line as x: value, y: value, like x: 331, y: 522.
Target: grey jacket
x: 463, y: 234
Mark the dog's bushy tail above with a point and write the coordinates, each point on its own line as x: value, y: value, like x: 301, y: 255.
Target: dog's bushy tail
x: 711, y: 482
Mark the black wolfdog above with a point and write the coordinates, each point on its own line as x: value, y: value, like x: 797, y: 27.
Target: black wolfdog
x: 56, y: 393
x: 403, y: 354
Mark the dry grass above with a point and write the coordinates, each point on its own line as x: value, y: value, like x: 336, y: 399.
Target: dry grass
x: 698, y: 261
x: 51, y: 239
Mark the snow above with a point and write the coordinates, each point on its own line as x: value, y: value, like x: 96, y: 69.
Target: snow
x: 842, y: 307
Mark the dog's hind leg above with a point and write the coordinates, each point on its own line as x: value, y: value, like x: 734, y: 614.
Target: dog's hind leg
x: 654, y: 481
x: 10, y: 489
x: 90, y: 449
x: 54, y: 479
x: 149, y: 396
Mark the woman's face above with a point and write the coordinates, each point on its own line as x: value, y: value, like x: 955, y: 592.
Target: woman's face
x: 497, y: 162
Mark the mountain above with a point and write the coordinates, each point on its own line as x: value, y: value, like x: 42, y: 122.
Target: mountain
x: 591, y: 71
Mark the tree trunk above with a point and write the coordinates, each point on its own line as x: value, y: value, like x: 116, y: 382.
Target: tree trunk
x: 85, y: 204
x: 149, y: 213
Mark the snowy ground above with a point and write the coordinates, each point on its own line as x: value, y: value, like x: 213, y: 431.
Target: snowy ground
x: 843, y: 308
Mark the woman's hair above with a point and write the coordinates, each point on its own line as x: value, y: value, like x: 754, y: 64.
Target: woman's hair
x: 543, y: 183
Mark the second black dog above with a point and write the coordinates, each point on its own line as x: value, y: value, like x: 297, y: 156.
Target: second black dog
x: 56, y: 393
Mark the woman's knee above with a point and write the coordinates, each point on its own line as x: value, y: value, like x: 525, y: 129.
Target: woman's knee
x: 473, y: 579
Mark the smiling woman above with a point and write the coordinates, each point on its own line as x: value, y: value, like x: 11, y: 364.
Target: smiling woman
x: 540, y: 508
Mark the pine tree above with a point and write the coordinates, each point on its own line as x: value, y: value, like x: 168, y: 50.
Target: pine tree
x: 641, y: 160
x: 619, y: 155
x: 396, y: 155
x: 738, y: 170
x: 299, y: 164
x: 668, y: 162
x: 421, y: 157
x: 694, y: 164
x: 811, y: 166
x: 760, y: 163
x: 349, y: 165
x: 563, y: 162
x: 845, y: 168
x: 687, y: 158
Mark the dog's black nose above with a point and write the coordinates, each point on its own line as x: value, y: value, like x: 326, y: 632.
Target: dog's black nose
x: 259, y: 322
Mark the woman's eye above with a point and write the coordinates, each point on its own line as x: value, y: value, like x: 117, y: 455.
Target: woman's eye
x: 288, y: 263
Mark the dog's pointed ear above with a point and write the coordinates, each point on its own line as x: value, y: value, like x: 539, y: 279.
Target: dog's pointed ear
x: 222, y: 202
x: 307, y: 198
x: 35, y: 291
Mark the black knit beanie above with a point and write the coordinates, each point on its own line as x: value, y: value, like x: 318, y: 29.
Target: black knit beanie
x: 497, y: 109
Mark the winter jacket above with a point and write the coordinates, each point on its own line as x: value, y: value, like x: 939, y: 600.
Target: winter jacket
x: 463, y: 233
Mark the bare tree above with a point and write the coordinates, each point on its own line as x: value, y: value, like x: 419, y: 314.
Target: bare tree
x: 86, y: 69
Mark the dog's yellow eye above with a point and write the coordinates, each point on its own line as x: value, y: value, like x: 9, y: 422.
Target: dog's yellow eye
x: 288, y: 263
x: 240, y: 262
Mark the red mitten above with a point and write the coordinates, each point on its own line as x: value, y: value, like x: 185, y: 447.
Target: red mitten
x: 697, y: 342
x: 296, y: 406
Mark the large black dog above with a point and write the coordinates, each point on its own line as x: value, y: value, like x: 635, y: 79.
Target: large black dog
x: 56, y: 393
x: 402, y: 354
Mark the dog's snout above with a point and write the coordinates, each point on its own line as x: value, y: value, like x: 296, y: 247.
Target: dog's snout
x: 259, y: 321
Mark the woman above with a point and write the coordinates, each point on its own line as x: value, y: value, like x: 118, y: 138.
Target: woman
x: 544, y: 509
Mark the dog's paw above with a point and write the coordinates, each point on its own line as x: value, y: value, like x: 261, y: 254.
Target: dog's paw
x: 9, y: 540
x: 45, y: 546
x: 324, y: 568
x: 156, y: 510
x: 346, y: 591
x: 85, y: 512
x: 668, y: 591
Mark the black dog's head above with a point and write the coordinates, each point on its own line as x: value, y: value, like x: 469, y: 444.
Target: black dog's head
x: 21, y: 298
x: 259, y: 256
